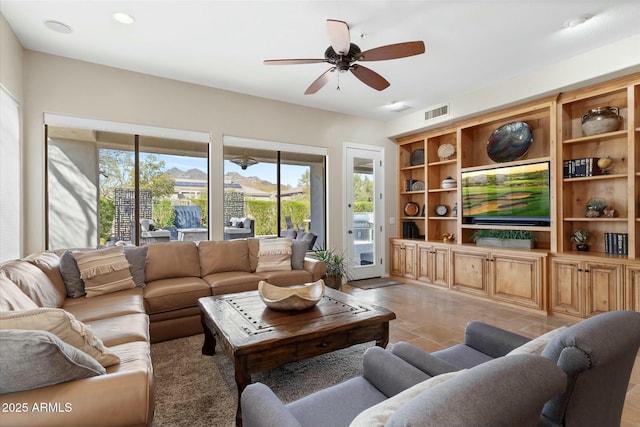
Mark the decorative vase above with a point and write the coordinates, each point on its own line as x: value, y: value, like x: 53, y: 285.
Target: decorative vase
x: 582, y: 247
x: 333, y: 281
x: 449, y: 182
x: 601, y: 120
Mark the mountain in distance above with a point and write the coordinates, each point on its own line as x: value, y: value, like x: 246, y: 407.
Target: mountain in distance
x: 193, y: 173
x: 252, y: 182
x: 246, y: 181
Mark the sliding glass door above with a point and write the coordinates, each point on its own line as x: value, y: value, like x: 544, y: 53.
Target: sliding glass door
x: 282, y: 190
x: 109, y: 187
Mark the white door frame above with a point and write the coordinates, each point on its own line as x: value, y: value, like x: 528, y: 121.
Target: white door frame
x: 351, y: 150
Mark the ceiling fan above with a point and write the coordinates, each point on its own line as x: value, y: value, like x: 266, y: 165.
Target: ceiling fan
x: 343, y: 55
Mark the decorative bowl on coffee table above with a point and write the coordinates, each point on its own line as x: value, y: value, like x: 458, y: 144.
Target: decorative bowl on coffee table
x: 291, y: 298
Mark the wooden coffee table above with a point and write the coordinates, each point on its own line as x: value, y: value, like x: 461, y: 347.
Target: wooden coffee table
x: 257, y: 338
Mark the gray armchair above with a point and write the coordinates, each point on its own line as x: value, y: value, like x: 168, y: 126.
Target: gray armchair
x: 596, y: 354
x: 481, y: 396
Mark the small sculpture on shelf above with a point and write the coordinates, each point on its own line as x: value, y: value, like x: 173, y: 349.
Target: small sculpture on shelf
x: 581, y: 237
x: 448, y: 238
x: 595, y: 208
x: 604, y: 163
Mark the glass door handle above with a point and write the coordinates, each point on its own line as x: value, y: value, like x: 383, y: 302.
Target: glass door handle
x: 350, y: 231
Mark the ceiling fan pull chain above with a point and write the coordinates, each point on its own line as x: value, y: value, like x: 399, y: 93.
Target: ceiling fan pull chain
x: 338, y: 88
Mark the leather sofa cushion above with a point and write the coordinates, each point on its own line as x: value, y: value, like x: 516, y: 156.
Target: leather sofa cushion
x: 232, y: 281
x: 49, y: 263
x: 166, y: 260
x: 225, y: 255
x: 121, y: 329
x: 171, y: 294
x: 34, y: 283
x: 106, y: 306
x: 12, y: 298
x: 254, y: 248
x: 287, y: 278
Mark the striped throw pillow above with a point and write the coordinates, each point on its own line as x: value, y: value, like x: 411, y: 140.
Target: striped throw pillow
x: 274, y: 255
x: 104, y: 271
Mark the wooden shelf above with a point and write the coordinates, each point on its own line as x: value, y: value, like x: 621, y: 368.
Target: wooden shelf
x: 443, y: 218
x: 506, y: 227
x: 411, y: 192
x: 442, y: 190
x: 597, y: 219
x: 443, y: 162
x: 407, y: 168
x: 601, y: 136
x: 596, y: 177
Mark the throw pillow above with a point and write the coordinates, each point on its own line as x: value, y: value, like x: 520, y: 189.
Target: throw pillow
x: 274, y: 255
x: 33, y: 359
x: 298, y: 252
x: 377, y: 415
x: 71, y: 276
x: 65, y: 326
x: 137, y: 257
x: 537, y: 345
x: 104, y: 271
x: 11, y: 297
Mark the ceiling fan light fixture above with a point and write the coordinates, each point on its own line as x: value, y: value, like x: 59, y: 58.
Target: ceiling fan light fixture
x: 244, y: 162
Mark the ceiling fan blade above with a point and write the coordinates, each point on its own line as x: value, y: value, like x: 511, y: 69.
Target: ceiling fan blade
x: 292, y: 61
x: 321, y: 81
x: 370, y: 77
x: 392, y: 51
x: 339, y: 36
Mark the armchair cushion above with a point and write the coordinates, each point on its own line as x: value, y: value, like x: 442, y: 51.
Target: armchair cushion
x: 379, y: 414
x: 505, y: 392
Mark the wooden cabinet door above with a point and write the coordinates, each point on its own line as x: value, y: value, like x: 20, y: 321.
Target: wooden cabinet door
x: 603, y: 286
x: 440, y: 266
x: 397, y: 258
x: 565, y: 291
x: 632, y: 288
x: 517, y: 280
x: 424, y: 267
x: 410, y: 261
x: 470, y: 272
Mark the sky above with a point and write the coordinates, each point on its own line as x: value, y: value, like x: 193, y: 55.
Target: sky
x: 267, y: 171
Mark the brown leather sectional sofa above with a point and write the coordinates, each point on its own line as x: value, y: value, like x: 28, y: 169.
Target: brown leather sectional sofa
x: 177, y: 274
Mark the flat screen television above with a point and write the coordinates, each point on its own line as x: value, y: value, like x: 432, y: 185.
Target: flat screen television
x: 507, y: 195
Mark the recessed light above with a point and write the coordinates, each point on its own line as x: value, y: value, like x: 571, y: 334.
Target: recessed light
x: 572, y: 23
x: 397, y: 106
x: 123, y: 18
x: 57, y: 26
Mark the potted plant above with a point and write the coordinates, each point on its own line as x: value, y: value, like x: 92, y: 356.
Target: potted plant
x: 518, y: 239
x: 581, y: 237
x: 336, y: 267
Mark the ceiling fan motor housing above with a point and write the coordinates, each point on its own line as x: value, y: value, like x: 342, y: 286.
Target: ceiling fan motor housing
x: 342, y: 62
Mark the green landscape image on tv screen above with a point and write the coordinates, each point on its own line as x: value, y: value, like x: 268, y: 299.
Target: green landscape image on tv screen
x: 511, y: 191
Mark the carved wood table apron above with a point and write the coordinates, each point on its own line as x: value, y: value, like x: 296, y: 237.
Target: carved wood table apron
x: 257, y: 338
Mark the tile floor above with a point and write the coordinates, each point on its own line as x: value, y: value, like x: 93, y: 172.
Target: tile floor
x: 434, y: 319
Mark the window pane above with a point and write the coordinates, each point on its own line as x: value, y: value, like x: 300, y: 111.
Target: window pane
x: 10, y: 179
x: 174, y: 190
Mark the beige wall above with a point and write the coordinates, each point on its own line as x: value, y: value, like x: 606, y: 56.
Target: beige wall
x: 63, y: 86
x: 10, y: 61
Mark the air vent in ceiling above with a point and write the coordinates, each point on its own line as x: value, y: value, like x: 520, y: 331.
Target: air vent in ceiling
x: 437, y: 111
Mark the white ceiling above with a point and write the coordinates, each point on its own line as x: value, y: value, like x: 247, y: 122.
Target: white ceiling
x: 470, y: 44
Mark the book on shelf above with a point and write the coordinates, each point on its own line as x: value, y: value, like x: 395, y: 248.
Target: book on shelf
x: 616, y: 243
x: 576, y: 168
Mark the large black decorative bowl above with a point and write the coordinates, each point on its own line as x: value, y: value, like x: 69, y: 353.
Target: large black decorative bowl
x: 510, y: 142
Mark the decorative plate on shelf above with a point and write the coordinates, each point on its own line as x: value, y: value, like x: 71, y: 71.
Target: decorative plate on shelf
x: 445, y: 151
x: 510, y: 142
x: 411, y: 209
x: 417, y: 157
x: 417, y: 186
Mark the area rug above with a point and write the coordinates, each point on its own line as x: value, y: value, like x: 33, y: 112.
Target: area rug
x: 194, y: 390
x: 379, y: 282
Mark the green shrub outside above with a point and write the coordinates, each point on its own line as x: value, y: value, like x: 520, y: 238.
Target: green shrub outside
x: 264, y: 213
